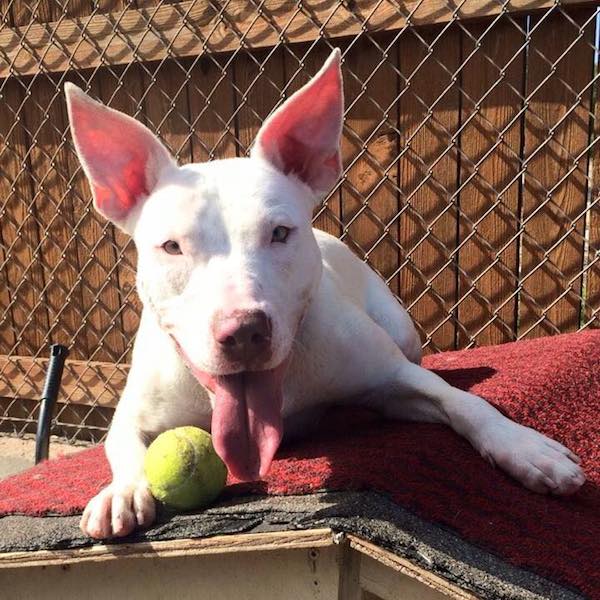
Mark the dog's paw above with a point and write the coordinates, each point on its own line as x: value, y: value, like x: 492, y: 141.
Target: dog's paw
x: 538, y: 462
x: 117, y: 510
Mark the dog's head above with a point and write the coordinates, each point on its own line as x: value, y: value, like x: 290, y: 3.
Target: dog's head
x: 227, y: 259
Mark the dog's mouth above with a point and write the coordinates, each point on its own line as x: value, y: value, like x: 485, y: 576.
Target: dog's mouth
x: 247, y: 424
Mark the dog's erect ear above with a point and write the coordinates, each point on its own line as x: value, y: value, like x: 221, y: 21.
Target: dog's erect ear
x: 303, y: 135
x: 122, y: 159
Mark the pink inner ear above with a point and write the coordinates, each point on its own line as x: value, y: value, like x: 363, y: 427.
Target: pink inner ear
x: 303, y: 136
x: 121, y: 194
x: 116, y: 151
x: 308, y: 164
x: 293, y: 153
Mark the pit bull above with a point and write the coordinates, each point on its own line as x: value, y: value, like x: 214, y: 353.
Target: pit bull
x: 253, y: 321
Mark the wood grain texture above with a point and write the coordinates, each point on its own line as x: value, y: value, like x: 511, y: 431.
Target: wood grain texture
x: 369, y: 153
x: 55, y: 209
x: 592, y: 278
x: 7, y: 334
x: 401, y: 565
x: 259, y: 79
x: 211, y: 107
x: 44, y: 113
x: 547, y: 165
x: 23, y: 230
x: 490, y: 145
x: 190, y: 27
x: 24, y: 312
x: 276, y: 573
x: 25, y: 319
x: 167, y: 110
x: 84, y: 382
x: 349, y: 574
x: 429, y: 118
x: 223, y: 544
x: 10, y: 165
x: 93, y: 298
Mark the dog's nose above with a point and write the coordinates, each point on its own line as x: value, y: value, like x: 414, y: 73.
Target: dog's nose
x: 244, y: 336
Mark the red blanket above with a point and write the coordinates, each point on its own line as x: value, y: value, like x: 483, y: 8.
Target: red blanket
x: 552, y: 384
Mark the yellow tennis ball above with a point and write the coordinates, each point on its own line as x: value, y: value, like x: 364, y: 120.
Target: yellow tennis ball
x: 183, y: 470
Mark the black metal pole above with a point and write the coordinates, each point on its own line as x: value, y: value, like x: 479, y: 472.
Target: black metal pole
x: 58, y: 354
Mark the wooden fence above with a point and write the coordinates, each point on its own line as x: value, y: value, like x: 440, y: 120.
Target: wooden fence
x: 471, y: 170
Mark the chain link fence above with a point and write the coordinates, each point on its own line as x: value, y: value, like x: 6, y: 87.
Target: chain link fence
x: 471, y: 167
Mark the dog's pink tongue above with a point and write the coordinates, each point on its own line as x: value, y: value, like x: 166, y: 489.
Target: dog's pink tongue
x: 247, y: 422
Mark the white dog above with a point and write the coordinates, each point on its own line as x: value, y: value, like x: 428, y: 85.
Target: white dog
x: 252, y: 319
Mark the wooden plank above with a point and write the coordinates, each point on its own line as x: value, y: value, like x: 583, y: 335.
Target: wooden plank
x: 46, y: 119
x: 7, y: 333
x: 220, y: 544
x: 349, y: 580
x: 546, y: 166
x: 286, y: 573
x: 7, y: 174
x: 167, y: 108
x: 23, y: 322
x: 25, y: 277
x: 370, y: 91
x: 379, y: 582
x: 591, y: 312
x: 212, y: 103
x: 55, y: 209
x: 59, y: 46
x: 402, y: 565
x: 428, y: 177
x: 84, y: 382
x: 258, y: 92
x: 300, y: 66
x: 106, y: 6
x: 490, y: 144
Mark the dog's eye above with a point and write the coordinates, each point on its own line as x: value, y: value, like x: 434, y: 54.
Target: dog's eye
x: 280, y: 234
x: 171, y: 247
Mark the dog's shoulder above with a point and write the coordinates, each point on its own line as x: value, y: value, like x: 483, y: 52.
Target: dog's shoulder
x: 345, y: 276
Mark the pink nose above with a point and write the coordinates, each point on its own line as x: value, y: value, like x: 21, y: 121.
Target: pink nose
x: 244, y: 336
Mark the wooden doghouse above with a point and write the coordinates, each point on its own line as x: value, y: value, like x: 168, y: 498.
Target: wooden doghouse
x: 303, y: 565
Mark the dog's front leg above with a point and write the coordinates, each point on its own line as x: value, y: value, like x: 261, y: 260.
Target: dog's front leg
x: 538, y: 462
x: 126, y: 503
